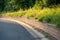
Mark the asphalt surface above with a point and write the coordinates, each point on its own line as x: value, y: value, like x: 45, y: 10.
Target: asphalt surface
x: 13, y: 31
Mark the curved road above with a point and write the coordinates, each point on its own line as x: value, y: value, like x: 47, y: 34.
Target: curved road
x: 13, y: 31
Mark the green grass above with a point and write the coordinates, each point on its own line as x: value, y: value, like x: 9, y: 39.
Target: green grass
x: 49, y: 15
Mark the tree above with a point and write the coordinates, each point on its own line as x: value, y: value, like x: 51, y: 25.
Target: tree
x: 24, y: 4
x: 52, y: 2
x: 2, y: 5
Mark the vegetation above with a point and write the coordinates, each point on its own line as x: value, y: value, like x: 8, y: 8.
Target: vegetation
x: 42, y: 10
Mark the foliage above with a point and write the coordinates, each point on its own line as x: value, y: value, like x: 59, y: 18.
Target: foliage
x: 42, y: 10
x: 47, y: 3
x: 50, y: 15
x: 2, y: 6
x: 14, y: 5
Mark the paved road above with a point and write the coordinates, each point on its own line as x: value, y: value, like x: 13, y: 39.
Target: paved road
x: 13, y: 31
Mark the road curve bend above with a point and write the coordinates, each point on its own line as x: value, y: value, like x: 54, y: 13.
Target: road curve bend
x: 13, y: 31
x: 16, y: 30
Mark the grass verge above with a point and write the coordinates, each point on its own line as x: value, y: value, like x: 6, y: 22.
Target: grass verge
x: 49, y: 15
